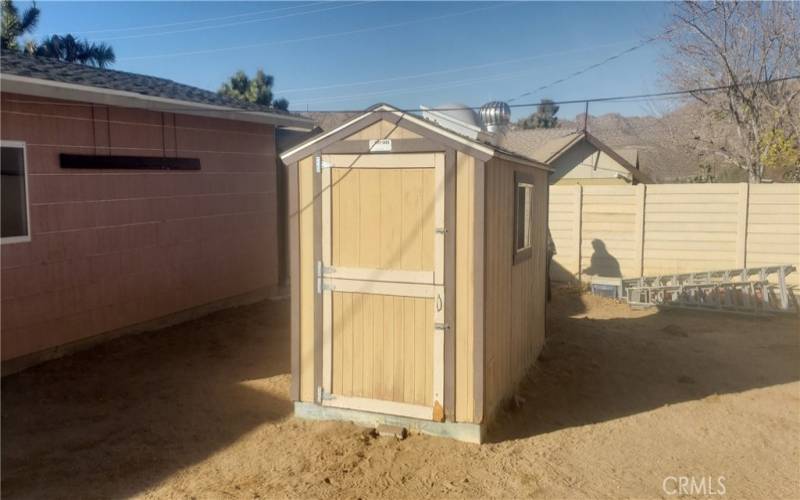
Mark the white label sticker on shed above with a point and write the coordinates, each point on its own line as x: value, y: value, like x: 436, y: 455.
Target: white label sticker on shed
x: 380, y: 145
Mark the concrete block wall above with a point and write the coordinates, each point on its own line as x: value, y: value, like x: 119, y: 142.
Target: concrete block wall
x: 646, y: 230
x: 113, y: 248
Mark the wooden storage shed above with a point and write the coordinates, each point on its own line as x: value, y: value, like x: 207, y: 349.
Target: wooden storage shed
x: 418, y: 260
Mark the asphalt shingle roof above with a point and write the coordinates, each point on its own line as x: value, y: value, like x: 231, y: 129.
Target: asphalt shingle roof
x: 45, y: 68
x: 540, y: 144
x: 329, y: 120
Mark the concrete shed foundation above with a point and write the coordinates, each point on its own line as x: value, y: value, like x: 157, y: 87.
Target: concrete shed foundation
x: 461, y: 431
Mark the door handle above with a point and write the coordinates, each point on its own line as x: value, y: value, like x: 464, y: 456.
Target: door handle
x: 438, y: 302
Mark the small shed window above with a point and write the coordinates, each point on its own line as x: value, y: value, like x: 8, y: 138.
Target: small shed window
x: 523, y: 217
x: 13, y: 183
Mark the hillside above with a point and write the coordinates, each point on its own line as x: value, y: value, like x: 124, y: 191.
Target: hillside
x: 662, y: 142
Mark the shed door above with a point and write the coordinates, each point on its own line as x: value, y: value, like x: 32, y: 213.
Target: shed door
x: 383, y: 295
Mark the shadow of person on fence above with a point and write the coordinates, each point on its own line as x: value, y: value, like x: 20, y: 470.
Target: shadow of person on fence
x: 119, y: 418
x: 605, y: 363
x: 602, y: 263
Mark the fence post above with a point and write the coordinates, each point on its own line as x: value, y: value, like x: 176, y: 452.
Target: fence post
x: 640, y: 193
x: 576, y: 229
x: 741, y: 224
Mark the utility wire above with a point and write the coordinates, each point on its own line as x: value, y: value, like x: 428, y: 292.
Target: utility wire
x: 314, y: 37
x: 431, y: 86
x: 623, y: 98
x: 604, y: 61
x: 584, y: 70
x: 453, y: 70
x: 237, y: 23
x: 196, y: 21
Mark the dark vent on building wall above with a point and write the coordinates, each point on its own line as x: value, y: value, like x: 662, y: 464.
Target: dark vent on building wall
x: 129, y: 162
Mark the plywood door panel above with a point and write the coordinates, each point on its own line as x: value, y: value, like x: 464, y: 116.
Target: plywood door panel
x: 384, y: 218
x: 369, y: 361
x: 380, y: 278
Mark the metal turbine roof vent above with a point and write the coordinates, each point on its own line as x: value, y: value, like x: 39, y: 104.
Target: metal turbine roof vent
x: 495, y: 115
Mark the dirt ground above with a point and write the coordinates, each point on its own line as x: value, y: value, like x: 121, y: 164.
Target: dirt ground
x: 619, y: 401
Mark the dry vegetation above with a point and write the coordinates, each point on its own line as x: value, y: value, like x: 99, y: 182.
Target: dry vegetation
x: 619, y: 400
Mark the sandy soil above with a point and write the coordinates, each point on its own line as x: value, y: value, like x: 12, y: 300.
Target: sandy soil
x: 619, y: 400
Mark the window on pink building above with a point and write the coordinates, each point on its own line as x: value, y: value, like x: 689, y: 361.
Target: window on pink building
x: 14, y: 186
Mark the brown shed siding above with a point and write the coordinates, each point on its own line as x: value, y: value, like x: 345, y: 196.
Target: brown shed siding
x: 113, y: 248
x: 514, y: 293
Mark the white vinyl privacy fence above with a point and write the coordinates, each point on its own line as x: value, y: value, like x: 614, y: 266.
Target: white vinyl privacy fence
x: 643, y: 230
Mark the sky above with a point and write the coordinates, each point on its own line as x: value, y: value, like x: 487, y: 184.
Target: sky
x: 350, y: 55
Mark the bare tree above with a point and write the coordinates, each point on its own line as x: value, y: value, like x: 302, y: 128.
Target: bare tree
x: 751, y: 47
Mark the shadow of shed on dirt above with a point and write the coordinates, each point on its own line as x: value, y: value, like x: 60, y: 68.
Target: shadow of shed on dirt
x: 115, y: 420
x: 619, y: 362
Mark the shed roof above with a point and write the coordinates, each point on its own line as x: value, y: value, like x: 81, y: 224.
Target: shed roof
x: 49, y: 77
x: 489, y: 150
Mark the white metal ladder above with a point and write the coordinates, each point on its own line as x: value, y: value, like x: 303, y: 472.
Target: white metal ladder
x: 745, y: 290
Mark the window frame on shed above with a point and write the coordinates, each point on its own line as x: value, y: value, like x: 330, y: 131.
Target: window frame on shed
x: 523, y: 183
x: 24, y: 238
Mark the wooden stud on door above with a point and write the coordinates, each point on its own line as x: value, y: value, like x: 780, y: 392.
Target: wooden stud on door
x: 317, y: 204
x: 449, y: 282
x: 327, y: 298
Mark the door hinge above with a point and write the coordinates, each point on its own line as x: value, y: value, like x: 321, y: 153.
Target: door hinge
x: 324, y: 396
x: 441, y: 326
x: 441, y: 230
x: 319, y: 276
x: 321, y: 271
x: 319, y: 163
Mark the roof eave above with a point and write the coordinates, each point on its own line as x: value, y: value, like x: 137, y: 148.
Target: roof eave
x: 530, y: 162
x: 602, y: 146
x: 85, y: 93
x: 313, y: 140
x: 566, y: 147
x: 488, y: 151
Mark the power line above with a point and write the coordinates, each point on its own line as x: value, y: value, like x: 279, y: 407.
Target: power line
x: 623, y: 98
x: 584, y: 70
x: 314, y: 37
x: 237, y: 23
x: 434, y: 86
x: 601, y: 63
x: 196, y: 21
x: 453, y: 70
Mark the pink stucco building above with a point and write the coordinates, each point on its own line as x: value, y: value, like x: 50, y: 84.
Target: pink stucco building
x: 127, y: 201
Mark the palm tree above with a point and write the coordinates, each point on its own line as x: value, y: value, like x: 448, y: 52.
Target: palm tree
x: 12, y: 26
x: 70, y: 49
